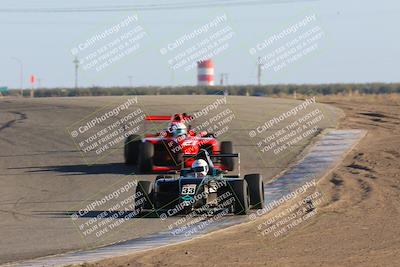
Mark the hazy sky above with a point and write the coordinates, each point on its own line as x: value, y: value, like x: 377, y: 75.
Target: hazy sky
x: 345, y: 41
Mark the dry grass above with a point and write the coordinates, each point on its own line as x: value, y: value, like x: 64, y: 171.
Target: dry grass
x: 391, y: 99
x: 378, y: 99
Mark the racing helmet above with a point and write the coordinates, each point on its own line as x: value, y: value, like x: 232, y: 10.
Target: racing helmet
x: 200, y: 167
x: 178, y: 129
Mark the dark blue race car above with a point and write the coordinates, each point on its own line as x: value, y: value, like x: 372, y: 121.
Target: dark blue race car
x: 201, y: 188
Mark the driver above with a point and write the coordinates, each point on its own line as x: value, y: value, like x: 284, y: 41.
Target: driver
x: 178, y: 129
x: 200, y: 167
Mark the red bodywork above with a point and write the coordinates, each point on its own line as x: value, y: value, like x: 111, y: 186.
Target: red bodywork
x: 168, y: 150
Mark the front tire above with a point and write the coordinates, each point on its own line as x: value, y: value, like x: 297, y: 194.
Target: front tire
x: 256, y: 189
x: 131, y: 149
x: 146, y: 155
x: 242, y: 198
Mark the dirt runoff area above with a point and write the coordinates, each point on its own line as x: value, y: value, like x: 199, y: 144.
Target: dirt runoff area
x: 356, y: 222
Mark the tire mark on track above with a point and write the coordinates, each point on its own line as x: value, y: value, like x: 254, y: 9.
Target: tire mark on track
x: 9, y: 124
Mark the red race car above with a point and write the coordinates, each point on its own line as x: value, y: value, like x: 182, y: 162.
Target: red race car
x: 163, y: 151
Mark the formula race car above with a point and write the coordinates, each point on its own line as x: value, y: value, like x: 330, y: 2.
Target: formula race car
x: 164, y: 150
x: 202, y: 187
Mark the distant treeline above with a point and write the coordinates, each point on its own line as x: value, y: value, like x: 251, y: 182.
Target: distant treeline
x: 264, y: 90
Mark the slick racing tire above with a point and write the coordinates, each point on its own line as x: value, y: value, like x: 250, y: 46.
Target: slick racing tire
x: 146, y: 153
x: 242, y: 199
x: 227, y: 148
x: 144, y: 196
x: 131, y: 149
x: 256, y: 189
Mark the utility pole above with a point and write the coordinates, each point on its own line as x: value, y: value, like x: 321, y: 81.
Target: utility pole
x: 32, y: 80
x: 259, y: 65
x: 76, y: 62
x: 21, y: 74
x: 224, y: 78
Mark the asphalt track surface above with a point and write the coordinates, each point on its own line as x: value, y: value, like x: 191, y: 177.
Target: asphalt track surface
x: 44, y: 177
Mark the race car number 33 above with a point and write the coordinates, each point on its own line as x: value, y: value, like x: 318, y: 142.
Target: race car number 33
x: 188, y: 189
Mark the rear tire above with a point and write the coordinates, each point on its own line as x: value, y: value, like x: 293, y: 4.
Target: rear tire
x: 146, y: 157
x: 242, y: 198
x: 227, y: 148
x: 144, y: 200
x: 131, y: 149
x: 256, y: 189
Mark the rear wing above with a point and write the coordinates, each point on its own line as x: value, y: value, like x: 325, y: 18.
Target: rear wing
x: 178, y: 117
x: 157, y: 118
x: 226, y: 155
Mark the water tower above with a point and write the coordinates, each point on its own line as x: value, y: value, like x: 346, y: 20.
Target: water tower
x: 205, y: 72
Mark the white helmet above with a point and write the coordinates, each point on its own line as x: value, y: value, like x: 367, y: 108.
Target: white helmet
x: 178, y: 129
x: 200, y: 167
